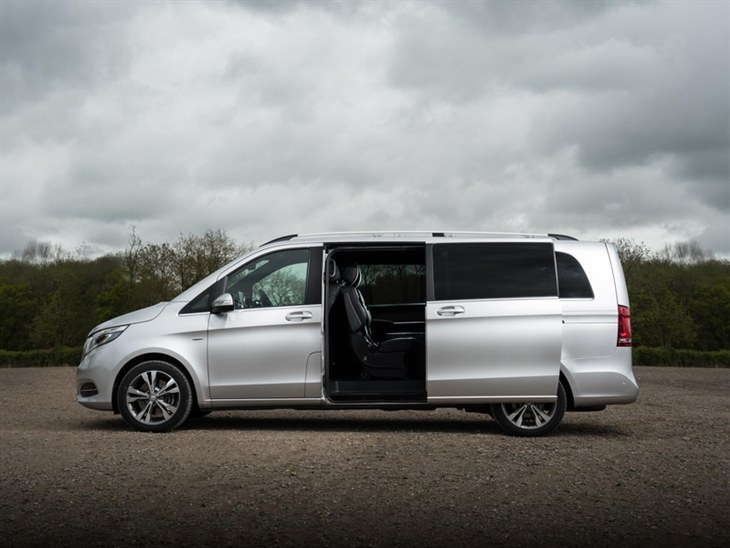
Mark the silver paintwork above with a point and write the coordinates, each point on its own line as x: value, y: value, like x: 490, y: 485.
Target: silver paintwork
x: 483, y: 351
x: 262, y: 353
x: 597, y: 371
x: 493, y: 350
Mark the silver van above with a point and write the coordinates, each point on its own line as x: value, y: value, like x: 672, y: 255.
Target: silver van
x: 520, y: 327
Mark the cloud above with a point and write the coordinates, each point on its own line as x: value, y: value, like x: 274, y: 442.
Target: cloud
x: 599, y: 119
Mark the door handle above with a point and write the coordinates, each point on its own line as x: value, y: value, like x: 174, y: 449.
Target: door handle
x: 299, y: 316
x: 450, y: 310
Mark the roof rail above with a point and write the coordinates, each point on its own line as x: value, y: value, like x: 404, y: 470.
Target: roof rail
x: 279, y: 239
x: 418, y: 234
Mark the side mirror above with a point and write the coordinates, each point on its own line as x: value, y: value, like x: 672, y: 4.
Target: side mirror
x: 222, y: 303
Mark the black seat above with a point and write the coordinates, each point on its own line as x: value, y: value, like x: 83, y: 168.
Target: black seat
x: 334, y: 279
x: 390, y: 358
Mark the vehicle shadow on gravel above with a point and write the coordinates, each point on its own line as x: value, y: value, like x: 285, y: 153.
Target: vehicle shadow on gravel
x: 353, y: 424
x: 215, y: 423
x: 246, y: 422
x: 357, y: 424
x: 584, y: 430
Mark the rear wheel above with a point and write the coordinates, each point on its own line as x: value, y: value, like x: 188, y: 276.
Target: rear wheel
x: 154, y: 396
x: 528, y: 418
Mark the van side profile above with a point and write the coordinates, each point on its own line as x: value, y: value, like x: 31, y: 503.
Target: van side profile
x: 519, y: 327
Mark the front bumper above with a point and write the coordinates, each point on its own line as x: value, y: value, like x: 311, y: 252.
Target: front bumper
x: 95, y: 378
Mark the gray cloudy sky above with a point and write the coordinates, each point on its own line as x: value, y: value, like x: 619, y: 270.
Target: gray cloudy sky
x: 597, y: 119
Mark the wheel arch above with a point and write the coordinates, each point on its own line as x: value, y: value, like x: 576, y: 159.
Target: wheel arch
x: 153, y: 357
x: 570, y: 401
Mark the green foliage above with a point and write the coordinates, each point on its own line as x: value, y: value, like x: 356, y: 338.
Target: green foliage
x: 659, y: 319
x: 711, y: 308
x: 51, y: 300
x: 633, y: 254
x: 40, y: 358
x: 69, y: 311
x: 672, y: 357
x: 680, y: 298
x: 158, y: 272
x: 114, y: 298
x: 17, y: 303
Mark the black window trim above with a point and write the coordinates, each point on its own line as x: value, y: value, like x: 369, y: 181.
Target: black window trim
x: 313, y: 293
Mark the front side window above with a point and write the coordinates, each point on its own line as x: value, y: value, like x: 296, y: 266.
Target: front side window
x: 494, y: 271
x: 277, y: 279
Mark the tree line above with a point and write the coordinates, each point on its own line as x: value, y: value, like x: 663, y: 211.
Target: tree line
x: 50, y: 299
x: 680, y: 296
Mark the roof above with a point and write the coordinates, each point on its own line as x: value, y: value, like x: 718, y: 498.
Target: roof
x: 407, y: 235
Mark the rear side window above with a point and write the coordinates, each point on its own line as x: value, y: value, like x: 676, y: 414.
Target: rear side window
x: 572, y: 279
x: 393, y: 283
x: 494, y: 271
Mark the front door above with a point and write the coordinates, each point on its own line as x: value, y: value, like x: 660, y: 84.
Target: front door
x: 260, y: 350
x: 493, y: 323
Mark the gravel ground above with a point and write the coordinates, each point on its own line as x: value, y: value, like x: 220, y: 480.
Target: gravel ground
x: 651, y: 473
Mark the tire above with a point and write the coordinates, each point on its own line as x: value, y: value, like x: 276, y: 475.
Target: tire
x: 531, y: 419
x: 155, y: 396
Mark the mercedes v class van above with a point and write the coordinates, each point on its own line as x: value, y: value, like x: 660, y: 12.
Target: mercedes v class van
x: 520, y: 327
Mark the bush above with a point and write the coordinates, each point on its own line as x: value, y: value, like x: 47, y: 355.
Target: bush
x: 673, y: 357
x: 40, y: 358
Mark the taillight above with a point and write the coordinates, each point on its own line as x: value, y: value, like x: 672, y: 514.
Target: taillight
x: 624, y: 326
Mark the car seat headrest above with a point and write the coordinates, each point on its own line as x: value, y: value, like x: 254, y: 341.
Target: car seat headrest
x: 351, y: 275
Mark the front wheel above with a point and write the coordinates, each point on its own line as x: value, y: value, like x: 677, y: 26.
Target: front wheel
x: 530, y: 419
x: 154, y: 396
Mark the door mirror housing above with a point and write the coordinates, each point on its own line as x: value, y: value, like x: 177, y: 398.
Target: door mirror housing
x: 222, y: 303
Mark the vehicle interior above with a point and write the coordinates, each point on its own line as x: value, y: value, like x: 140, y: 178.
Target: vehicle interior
x: 375, y: 324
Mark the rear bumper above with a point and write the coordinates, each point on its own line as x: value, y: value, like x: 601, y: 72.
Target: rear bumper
x: 602, y: 381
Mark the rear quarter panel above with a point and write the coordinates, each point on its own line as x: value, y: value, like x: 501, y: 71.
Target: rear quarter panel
x: 598, y: 372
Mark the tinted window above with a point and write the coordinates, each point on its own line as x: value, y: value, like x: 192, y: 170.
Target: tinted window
x: 572, y: 279
x: 388, y: 275
x: 393, y: 283
x: 201, y: 303
x: 494, y: 271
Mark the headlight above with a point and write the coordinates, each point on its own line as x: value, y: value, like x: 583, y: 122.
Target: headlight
x: 102, y: 337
